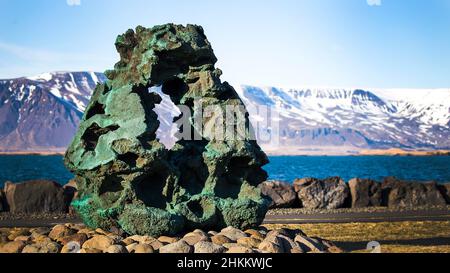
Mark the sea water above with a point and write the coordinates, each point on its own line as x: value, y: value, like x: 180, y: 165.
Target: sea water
x: 16, y: 168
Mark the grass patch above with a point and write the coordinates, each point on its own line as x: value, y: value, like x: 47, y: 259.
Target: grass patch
x: 394, y: 237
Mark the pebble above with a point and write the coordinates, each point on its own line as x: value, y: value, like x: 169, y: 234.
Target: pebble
x: 270, y: 247
x: 249, y: 242
x: 143, y: 239
x: 70, y: 248
x: 116, y: 249
x: 240, y: 249
x: 178, y: 247
x: 194, y: 237
x: 76, y: 238
x: 30, y: 249
x: 253, y: 232
x: 212, y: 233
x: 143, y: 249
x: 128, y: 241
x: 220, y: 239
x: 101, y: 242
x: 79, y: 238
x: 233, y: 233
x: 90, y: 251
x: 309, y: 244
x: 40, y: 231
x: 168, y: 240
x: 156, y: 244
x: 60, y: 231
x: 131, y: 247
x: 13, y: 247
x: 18, y: 232
x: 208, y: 247
x: 23, y: 238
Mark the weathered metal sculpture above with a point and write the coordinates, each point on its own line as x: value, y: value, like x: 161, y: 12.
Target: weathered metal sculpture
x: 126, y: 176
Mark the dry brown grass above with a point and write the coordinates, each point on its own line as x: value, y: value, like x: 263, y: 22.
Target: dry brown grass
x: 394, y: 237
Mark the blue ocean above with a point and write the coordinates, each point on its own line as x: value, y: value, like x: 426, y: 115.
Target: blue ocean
x: 18, y: 168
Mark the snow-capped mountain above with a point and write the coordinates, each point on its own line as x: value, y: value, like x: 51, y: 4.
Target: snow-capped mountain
x: 42, y: 113
x: 353, y: 119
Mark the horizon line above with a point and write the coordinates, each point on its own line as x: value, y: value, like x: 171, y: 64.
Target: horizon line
x: 281, y: 86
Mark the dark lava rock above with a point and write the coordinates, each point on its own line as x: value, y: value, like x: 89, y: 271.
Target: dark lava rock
x: 36, y: 196
x: 127, y: 178
x: 330, y: 193
x: 397, y: 193
x: 71, y: 190
x: 282, y: 194
x: 71, y: 193
x: 445, y: 191
x: 2, y: 201
x: 300, y: 182
x: 365, y: 193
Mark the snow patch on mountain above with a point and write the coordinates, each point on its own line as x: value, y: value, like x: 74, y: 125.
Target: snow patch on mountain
x: 44, y: 111
x: 376, y: 118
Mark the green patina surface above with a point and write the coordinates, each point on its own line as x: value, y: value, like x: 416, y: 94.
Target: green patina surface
x: 125, y: 175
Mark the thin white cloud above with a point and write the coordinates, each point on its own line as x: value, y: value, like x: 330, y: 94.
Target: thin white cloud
x: 39, y: 55
x: 28, y: 54
x: 27, y: 61
x: 374, y: 2
x: 73, y: 2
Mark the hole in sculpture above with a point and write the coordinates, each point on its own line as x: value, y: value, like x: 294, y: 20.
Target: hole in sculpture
x: 96, y: 109
x: 228, y: 187
x: 149, y: 189
x: 196, y: 208
x: 167, y: 111
x: 236, y: 172
x: 201, y: 207
x: 194, y: 172
x: 175, y: 88
x: 129, y: 158
x: 190, y: 162
x: 93, y: 133
x: 110, y: 189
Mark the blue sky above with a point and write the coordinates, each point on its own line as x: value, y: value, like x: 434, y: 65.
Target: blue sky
x: 342, y: 43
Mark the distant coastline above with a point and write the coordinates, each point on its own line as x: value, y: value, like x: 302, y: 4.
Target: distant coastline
x: 349, y: 151
x: 32, y: 153
x: 297, y: 151
x: 400, y: 152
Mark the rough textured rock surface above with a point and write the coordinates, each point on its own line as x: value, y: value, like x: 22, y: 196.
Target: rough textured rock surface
x: 127, y: 178
x: 282, y: 194
x: 71, y: 190
x: 397, y: 193
x: 330, y: 193
x: 445, y: 191
x: 365, y: 193
x: 2, y: 201
x: 36, y: 196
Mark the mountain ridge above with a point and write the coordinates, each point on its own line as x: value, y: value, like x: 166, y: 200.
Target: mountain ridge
x: 41, y: 114
x: 356, y: 118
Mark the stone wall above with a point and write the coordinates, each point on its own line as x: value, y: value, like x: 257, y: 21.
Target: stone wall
x: 334, y: 193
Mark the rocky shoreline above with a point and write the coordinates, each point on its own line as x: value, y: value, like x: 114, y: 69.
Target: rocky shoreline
x: 37, y: 198
x: 334, y: 193
x: 38, y: 201
x: 77, y: 238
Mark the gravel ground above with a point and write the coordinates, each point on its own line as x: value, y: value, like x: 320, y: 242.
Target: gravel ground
x: 4, y: 216
x: 300, y: 211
